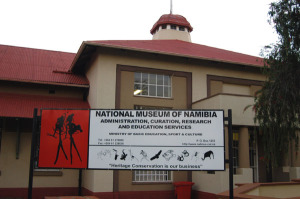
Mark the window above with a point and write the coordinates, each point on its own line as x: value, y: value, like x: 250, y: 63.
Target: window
x: 150, y: 175
x: 164, y: 26
x: 181, y: 28
x: 253, y: 153
x: 154, y: 85
x: 235, y: 149
x: 173, y: 27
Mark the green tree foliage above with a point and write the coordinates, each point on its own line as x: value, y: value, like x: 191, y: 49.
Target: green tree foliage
x: 277, y: 105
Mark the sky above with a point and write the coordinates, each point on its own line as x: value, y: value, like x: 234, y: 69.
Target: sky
x: 62, y: 25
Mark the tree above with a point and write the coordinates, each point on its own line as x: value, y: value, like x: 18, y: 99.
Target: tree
x: 277, y: 105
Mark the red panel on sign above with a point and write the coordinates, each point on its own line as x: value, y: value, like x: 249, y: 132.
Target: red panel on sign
x: 64, y: 139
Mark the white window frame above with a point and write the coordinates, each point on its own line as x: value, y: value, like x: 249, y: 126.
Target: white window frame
x: 152, y: 176
x: 142, y: 88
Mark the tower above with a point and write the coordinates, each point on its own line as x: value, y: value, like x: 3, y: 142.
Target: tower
x: 172, y: 26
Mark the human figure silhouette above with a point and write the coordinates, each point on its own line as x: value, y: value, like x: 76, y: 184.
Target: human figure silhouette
x: 72, y: 128
x: 59, y: 129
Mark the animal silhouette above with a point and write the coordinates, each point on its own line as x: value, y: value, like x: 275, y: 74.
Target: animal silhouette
x: 208, y: 154
x: 132, y: 156
x: 185, y: 153
x: 102, y: 154
x: 180, y: 158
x: 156, y: 155
x: 116, y: 154
x: 169, y: 154
x: 144, y: 154
x: 123, y: 156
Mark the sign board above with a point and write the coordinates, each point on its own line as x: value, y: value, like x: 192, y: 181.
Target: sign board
x: 156, y: 139
x: 133, y: 139
x: 64, y: 139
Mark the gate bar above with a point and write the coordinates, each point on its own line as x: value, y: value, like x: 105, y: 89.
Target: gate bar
x: 33, y: 143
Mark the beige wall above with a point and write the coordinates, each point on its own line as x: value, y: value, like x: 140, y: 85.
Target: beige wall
x: 236, y: 89
x: 102, y: 76
x: 15, y: 172
x: 172, y: 34
x: 106, y: 62
x: 216, y: 87
x: 98, y: 180
x: 240, y: 115
x: 276, y: 191
x: 241, y: 87
x: 219, y: 182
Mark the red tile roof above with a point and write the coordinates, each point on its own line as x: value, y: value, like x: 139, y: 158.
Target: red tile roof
x: 182, y: 49
x: 172, y: 19
x: 21, y: 105
x: 40, y: 66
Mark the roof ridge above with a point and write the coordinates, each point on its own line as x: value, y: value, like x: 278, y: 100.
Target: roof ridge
x: 178, y: 48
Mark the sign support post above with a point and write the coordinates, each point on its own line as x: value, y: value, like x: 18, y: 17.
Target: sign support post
x: 33, y: 144
x: 230, y: 153
x: 80, y: 183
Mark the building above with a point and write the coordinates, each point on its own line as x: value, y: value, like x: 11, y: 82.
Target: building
x: 169, y: 71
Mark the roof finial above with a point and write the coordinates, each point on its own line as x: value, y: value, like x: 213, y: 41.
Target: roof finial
x: 171, y: 7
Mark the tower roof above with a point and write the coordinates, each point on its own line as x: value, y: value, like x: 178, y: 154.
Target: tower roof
x: 172, y: 19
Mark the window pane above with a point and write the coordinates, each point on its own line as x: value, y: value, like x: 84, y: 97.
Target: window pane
x: 152, y: 79
x: 144, y: 89
x: 152, y: 90
x: 160, y: 91
x: 181, y: 28
x: 145, y: 78
x: 136, y: 88
x: 167, y: 91
x: 160, y: 80
x: 167, y: 80
x: 137, y: 78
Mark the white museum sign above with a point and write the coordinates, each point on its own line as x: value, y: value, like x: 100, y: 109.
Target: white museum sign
x: 156, y: 139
